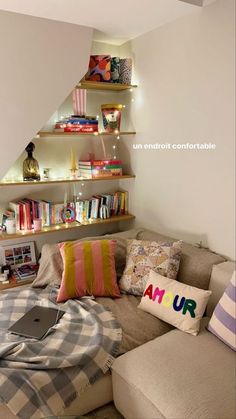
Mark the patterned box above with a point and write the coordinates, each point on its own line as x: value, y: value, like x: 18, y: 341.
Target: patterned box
x: 99, y: 68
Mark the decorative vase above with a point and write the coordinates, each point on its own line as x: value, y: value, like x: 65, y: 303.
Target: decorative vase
x: 30, y: 165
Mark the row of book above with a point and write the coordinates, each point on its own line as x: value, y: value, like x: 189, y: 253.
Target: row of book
x: 91, y: 169
x: 76, y: 123
x: 115, y: 204
x: 26, y: 210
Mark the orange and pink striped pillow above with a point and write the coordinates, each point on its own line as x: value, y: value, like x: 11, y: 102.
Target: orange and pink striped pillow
x: 89, y: 269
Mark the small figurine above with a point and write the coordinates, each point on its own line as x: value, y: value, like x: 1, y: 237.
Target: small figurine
x: 30, y: 165
x: 74, y: 165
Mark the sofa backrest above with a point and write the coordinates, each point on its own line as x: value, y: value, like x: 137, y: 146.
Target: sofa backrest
x: 196, y: 263
x: 195, y: 266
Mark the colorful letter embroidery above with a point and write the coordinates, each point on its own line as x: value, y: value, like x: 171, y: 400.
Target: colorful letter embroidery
x: 168, y: 300
x: 158, y: 293
x: 148, y: 292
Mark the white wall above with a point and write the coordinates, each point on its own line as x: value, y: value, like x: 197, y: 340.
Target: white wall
x: 185, y: 71
x: 41, y: 62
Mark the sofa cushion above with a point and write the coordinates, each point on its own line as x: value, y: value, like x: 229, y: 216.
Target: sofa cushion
x: 137, y: 326
x: 144, y: 255
x: 220, y: 277
x: 196, y: 263
x: 176, y: 376
x: 223, y: 320
x: 89, y: 269
x: 178, y: 304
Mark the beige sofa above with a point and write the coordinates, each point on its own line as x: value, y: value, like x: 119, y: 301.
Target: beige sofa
x: 140, y: 330
x: 179, y: 376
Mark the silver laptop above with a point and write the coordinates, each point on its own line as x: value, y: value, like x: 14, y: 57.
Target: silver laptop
x: 36, y: 322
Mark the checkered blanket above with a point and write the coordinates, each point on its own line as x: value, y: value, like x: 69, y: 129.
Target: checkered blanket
x: 40, y: 378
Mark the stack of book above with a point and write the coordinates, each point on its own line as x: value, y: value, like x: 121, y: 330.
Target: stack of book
x: 91, y: 169
x: 27, y: 210
x: 24, y: 272
x: 76, y: 123
x: 117, y: 204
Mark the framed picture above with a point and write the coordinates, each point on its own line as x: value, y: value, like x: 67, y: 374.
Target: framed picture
x: 16, y: 255
x: 68, y: 214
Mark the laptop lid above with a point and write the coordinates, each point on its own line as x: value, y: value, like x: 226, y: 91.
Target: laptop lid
x: 36, y: 322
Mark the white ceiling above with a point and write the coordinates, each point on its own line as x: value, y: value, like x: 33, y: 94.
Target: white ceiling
x: 115, y: 22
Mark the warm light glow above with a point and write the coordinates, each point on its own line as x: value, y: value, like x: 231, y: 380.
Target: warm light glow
x: 95, y: 133
x: 116, y: 131
x: 132, y: 100
x: 118, y: 137
x: 124, y: 106
x: 114, y: 146
x: 57, y: 228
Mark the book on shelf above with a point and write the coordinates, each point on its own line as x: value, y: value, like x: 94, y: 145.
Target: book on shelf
x: 92, y: 169
x: 117, y: 204
x: 26, y: 210
x: 24, y: 272
x: 77, y: 124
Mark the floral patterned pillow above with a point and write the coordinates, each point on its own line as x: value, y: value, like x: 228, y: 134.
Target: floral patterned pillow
x: 143, y: 256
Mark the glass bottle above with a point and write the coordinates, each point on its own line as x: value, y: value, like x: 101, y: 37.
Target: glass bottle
x: 30, y: 165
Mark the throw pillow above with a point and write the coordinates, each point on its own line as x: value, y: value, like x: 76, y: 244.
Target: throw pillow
x: 142, y: 256
x: 223, y: 320
x: 51, y: 263
x: 89, y: 269
x: 174, y: 302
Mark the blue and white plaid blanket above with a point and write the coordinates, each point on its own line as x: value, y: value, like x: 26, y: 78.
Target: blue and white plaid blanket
x: 39, y: 378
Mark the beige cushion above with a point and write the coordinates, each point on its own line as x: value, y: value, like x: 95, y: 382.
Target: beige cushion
x: 195, y: 265
x: 144, y: 255
x: 178, y: 304
x: 177, y: 376
x: 137, y: 326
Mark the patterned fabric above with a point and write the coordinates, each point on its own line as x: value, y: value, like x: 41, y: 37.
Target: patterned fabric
x: 178, y: 304
x: 115, y: 69
x: 39, y: 378
x: 79, y: 97
x: 223, y: 320
x: 89, y: 269
x: 125, y: 70
x: 99, y: 68
x: 142, y: 256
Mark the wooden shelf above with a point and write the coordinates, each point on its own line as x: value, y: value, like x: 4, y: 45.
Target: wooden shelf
x: 57, y: 181
x: 67, y: 226
x: 114, y: 87
x: 15, y: 284
x: 79, y: 134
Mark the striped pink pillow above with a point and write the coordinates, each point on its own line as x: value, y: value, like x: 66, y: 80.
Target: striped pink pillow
x: 223, y: 320
x: 89, y: 269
